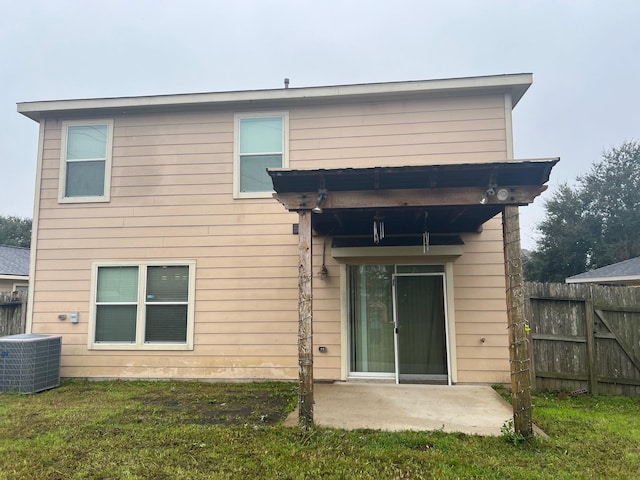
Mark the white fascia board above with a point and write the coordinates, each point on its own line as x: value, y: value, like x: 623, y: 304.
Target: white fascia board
x: 619, y: 279
x: 14, y: 277
x: 517, y: 84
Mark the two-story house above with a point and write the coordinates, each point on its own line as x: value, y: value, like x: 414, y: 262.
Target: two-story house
x: 160, y: 251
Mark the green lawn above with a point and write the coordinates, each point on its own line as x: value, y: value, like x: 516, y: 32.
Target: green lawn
x: 167, y: 430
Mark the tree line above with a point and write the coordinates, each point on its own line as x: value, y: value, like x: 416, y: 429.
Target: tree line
x: 593, y: 223
x: 15, y: 231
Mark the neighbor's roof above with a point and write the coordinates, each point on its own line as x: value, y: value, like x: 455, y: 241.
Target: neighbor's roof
x: 515, y: 84
x: 626, y: 272
x: 14, y: 261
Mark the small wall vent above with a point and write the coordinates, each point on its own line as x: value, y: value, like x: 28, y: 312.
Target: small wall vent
x: 29, y: 363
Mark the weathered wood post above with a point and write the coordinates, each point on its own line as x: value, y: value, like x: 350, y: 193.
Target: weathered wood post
x: 518, y: 347
x: 305, y: 325
x: 23, y: 312
x: 528, y: 314
x: 591, y: 342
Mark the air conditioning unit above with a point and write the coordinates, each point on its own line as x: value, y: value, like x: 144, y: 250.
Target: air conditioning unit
x: 29, y: 362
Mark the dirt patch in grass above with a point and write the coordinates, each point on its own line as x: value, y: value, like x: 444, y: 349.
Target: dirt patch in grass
x: 219, y: 407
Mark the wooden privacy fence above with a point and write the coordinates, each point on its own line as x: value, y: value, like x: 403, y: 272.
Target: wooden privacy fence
x: 584, y: 337
x: 13, y: 313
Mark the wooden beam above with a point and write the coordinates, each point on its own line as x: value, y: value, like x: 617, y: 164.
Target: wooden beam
x: 305, y: 322
x: 563, y: 376
x: 518, y: 345
x: 422, y: 197
x: 591, y: 344
x: 620, y: 381
x: 558, y: 338
x: 528, y: 313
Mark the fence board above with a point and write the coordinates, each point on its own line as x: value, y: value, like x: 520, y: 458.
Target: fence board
x: 585, y: 336
x: 13, y: 313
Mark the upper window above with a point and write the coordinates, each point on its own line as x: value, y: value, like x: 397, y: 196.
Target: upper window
x: 143, y: 306
x: 261, y: 143
x: 85, y: 165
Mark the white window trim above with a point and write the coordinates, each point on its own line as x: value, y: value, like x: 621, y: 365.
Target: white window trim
x: 236, y: 150
x: 141, y: 302
x: 63, y: 163
x: 21, y: 284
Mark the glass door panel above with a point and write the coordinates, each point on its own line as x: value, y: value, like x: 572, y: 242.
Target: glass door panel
x: 422, y: 352
x: 371, y: 328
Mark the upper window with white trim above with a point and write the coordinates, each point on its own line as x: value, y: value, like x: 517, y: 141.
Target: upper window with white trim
x: 143, y: 305
x: 85, y: 161
x: 260, y: 143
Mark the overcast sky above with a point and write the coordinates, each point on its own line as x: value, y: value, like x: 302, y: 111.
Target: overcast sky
x: 584, y: 54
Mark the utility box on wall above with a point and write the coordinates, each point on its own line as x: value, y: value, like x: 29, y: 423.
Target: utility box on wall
x: 29, y: 363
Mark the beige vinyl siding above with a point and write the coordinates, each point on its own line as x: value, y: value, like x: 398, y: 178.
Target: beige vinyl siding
x: 326, y: 314
x: 440, y: 131
x: 479, y: 296
x: 171, y: 197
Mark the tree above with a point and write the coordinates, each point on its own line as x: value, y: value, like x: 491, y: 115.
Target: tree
x: 612, y: 201
x: 592, y: 224
x: 15, y: 231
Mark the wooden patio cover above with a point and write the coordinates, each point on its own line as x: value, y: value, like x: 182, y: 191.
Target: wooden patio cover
x: 439, y: 199
x: 450, y: 195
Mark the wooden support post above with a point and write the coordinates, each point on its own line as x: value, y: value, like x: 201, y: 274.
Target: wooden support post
x: 23, y: 314
x: 591, y: 343
x: 528, y: 313
x: 305, y: 324
x: 518, y: 346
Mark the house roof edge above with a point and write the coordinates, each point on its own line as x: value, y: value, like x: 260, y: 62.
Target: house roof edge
x: 515, y: 84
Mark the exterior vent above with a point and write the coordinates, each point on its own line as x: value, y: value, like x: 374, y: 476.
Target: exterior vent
x: 29, y: 362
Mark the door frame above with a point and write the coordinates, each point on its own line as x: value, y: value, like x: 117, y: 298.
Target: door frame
x: 450, y: 325
x: 396, y: 343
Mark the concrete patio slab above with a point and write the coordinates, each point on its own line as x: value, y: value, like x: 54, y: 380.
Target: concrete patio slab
x: 470, y: 409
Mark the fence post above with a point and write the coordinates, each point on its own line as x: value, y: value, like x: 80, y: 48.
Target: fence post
x: 528, y: 318
x: 23, y: 314
x: 589, y: 334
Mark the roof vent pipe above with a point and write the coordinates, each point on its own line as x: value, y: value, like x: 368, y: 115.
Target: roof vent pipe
x: 286, y: 83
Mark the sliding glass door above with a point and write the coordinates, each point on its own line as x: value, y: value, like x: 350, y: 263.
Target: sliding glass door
x: 397, y: 323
